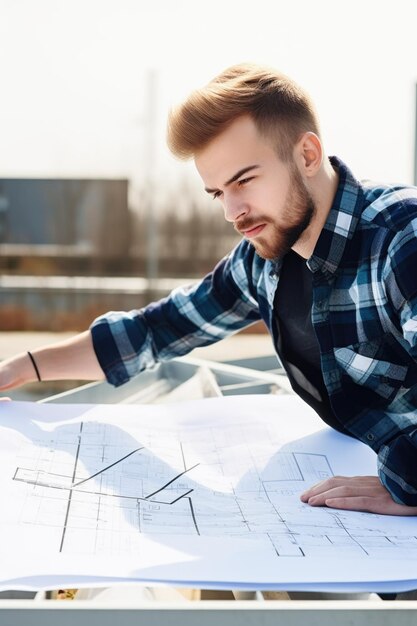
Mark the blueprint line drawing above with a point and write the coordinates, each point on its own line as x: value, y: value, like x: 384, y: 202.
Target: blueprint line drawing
x: 43, y: 480
x: 99, y: 489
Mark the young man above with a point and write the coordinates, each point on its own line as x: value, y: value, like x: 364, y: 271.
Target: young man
x: 328, y: 264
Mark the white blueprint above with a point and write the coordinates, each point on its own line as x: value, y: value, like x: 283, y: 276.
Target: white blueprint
x: 203, y: 491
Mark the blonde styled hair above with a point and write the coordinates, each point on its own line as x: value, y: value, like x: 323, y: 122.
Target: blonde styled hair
x: 281, y: 109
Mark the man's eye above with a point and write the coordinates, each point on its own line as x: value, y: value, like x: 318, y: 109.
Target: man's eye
x: 243, y: 181
x: 216, y: 194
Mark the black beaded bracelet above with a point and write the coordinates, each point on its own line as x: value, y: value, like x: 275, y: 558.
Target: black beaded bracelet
x: 35, y: 366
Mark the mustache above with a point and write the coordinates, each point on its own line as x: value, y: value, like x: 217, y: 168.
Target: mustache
x: 247, y: 224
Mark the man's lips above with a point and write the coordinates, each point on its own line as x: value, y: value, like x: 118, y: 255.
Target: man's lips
x: 253, y: 231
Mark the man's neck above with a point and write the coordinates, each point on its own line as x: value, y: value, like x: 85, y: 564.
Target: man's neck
x: 323, y: 190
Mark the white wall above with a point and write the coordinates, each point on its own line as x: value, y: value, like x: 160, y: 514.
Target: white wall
x: 72, y: 76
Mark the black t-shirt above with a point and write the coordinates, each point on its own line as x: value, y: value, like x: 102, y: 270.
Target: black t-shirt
x: 298, y: 347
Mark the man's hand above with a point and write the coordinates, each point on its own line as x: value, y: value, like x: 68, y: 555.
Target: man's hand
x: 358, y: 493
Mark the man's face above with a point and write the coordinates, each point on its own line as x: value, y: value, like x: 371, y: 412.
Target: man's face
x: 264, y: 198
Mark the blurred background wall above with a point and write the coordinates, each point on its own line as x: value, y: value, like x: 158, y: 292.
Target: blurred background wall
x: 95, y: 214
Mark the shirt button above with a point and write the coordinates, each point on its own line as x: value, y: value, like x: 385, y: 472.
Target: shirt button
x: 370, y: 437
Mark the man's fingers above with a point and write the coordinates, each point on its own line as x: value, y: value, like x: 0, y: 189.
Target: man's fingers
x: 354, y: 503
x: 338, y: 481
x: 323, y: 487
x: 343, y: 491
x: 356, y: 493
x: 382, y: 506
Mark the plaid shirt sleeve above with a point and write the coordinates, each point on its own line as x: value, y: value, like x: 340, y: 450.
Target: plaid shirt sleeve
x: 219, y: 305
x: 397, y: 459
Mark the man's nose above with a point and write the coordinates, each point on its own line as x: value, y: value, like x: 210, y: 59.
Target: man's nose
x: 234, y: 208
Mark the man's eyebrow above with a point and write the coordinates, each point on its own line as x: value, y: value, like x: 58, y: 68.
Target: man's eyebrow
x: 238, y: 174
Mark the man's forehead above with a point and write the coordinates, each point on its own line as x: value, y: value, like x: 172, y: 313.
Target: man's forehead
x: 239, y: 146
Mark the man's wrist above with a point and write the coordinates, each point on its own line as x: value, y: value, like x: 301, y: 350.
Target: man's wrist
x: 35, y: 365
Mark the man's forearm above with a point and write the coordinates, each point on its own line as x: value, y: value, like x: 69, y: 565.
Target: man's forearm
x: 72, y: 359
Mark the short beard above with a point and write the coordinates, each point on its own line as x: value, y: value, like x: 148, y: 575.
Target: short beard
x: 284, y: 241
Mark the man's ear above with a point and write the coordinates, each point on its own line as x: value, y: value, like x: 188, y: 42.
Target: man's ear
x: 308, y: 154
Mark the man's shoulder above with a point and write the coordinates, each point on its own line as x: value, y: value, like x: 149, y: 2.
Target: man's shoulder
x: 389, y: 206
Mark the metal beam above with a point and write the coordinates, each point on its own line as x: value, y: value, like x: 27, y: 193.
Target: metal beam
x: 210, y: 613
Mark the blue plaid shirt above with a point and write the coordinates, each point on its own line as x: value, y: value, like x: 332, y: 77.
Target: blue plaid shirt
x: 364, y: 314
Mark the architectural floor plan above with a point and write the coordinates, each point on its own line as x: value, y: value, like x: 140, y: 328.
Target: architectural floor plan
x: 98, y: 482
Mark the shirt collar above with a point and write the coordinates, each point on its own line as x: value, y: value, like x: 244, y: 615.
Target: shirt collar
x: 341, y: 222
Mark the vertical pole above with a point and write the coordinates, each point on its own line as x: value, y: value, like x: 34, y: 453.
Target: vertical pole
x: 151, y: 221
x: 415, y: 139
